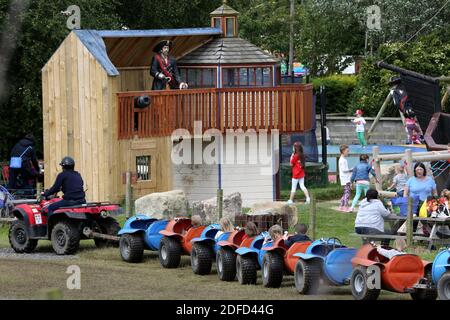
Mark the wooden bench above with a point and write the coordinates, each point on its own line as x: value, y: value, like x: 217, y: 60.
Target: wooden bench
x: 376, y: 237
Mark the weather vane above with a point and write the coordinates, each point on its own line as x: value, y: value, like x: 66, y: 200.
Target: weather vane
x: 73, y: 13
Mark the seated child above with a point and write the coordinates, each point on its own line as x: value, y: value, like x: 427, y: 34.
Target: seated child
x: 225, y: 226
x: 399, y: 245
x: 196, y: 221
x: 275, y: 232
x: 299, y: 236
x: 399, y: 180
x: 251, y: 230
x: 415, y: 138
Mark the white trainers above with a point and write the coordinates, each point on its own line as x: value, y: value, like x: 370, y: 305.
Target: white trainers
x: 290, y: 201
x: 308, y: 201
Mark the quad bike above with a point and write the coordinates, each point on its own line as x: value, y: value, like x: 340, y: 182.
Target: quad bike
x: 210, y: 245
x: 280, y: 260
x: 325, y: 259
x: 138, y: 234
x: 176, y: 241
x: 405, y: 273
x: 441, y: 274
x: 64, y: 228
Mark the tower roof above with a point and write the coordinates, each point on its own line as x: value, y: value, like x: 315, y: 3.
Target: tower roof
x: 224, y: 10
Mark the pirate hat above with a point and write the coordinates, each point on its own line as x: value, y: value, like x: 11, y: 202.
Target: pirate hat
x: 161, y: 44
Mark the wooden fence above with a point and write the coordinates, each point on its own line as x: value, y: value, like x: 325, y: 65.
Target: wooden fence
x: 286, y: 108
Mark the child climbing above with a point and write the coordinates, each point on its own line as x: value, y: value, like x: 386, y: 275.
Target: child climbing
x: 414, y: 131
x: 298, y: 171
x: 344, y: 176
x: 399, y: 180
x: 360, y: 129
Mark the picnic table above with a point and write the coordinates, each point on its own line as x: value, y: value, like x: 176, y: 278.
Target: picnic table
x: 395, y: 222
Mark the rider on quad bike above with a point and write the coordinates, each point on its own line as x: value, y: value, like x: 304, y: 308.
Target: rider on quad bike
x: 63, y: 221
x: 70, y: 183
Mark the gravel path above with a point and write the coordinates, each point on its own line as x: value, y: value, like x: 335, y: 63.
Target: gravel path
x: 8, y: 253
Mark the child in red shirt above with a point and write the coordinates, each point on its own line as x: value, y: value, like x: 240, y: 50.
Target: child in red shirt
x: 298, y: 172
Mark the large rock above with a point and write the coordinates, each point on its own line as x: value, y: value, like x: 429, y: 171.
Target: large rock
x: 207, y: 209
x: 163, y: 205
x: 275, y: 208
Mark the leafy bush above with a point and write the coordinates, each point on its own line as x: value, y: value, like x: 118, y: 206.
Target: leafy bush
x: 429, y: 55
x: 339, y: 90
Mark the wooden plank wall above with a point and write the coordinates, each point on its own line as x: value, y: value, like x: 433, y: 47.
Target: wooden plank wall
x: 78, y: 119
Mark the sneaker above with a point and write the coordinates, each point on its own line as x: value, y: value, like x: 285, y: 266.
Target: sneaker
x: 341, y: 208
x: 350, y: 209
x: 308, y: 201
x: 290, y: 201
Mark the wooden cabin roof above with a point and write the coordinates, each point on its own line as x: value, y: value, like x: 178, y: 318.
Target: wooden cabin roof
x: 227, y: 51
x: 224, y: 10
x: 115, y: 49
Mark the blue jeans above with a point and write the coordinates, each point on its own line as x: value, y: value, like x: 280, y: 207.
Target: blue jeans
x: 63, y: 203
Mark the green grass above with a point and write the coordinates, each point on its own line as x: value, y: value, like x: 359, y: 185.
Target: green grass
x: 106, y: 276
x: 332, y: 191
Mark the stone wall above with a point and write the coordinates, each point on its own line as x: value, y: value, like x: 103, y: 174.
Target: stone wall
x: 389, y: 131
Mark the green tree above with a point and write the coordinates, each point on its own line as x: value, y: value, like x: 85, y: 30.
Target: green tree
x: 43, y: 30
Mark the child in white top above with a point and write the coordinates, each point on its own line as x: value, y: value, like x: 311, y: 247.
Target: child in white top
x: 360, y: 129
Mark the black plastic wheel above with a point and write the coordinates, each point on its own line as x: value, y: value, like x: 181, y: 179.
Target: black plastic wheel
x: 358, y: 284
x: 131, y: 247
x: 443, y: 287
x: 226, y: 264
x: 429, y: 294
x: 19, y: 238
x: 65, y: 238
x: 201, y: 258
x: 170, y: 252
x: 307, y: 276
x: 246, y: 269
x: 272, y: 270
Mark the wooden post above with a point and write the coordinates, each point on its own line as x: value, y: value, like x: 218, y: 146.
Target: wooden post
x: 128, y: 194
x: 409, y: 223
x: 312, y: 217
x: 380, y: 113
x: 378, y: 182
x: 445, y: 98
x: 409, y: 161
x: 219, y: 202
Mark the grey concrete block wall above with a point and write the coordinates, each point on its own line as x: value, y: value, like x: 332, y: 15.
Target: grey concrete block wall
x: 389, y: 131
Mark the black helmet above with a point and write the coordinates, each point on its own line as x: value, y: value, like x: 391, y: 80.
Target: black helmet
x: 67, y: 162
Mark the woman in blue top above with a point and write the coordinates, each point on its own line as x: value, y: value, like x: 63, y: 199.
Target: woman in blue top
x: 420, y: 186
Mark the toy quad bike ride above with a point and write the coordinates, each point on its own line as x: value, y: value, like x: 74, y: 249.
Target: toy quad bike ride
x: 138, y: 234
x: 405, y: 273
x: 279, y: 259
x: 226, y: 255
x: 249, y: 258
x: 206, y: 247
x: 441, y: 274
x: 65, y: 227
x: 176, y: 241
x: 325, y: 259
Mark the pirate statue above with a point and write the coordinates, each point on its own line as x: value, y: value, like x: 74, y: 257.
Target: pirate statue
x: 164, y: 68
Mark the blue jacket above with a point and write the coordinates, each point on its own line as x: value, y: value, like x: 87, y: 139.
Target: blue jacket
x: 361, y: 171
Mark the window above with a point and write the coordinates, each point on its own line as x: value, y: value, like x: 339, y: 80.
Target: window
x: 230, y: 27
x: 217, y: 22
x: 247, y: 77
x: 199, y: 77
x: 143, y: 168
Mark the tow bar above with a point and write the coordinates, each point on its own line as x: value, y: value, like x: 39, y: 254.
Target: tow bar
x: 92, y: 235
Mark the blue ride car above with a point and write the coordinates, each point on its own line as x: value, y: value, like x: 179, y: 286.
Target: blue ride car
x: 326, y: 259
x: 138, y: 234
x: 441, y: 274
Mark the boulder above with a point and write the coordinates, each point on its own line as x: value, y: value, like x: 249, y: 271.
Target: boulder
x: 163, y: 205
x: 207, y: 209
x: 275, y: 208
